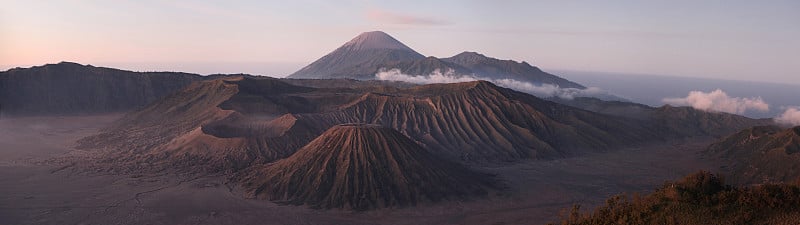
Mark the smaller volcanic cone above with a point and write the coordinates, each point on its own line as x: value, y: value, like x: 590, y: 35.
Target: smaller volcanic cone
x: 360, y: 166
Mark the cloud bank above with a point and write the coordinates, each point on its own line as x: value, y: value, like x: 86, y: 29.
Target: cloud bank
x: 540, y: 90
x: 435, y: 77
x: 719, y: 101
x: 789, y: 117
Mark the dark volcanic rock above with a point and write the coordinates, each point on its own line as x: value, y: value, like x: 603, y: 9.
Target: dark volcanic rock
x: 489, y: 67
x: 760, y: 154
x: 479, y: 121
x: 361, y: 166
x: 427, y: 66
x: 670, y: 121
x: 70, y: 88
x: 199, y: 128
x: 232, y: 124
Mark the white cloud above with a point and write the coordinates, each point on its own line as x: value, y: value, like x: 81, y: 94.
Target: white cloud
x: 541, y: 90
x: 435, y: 77
x: 719, y: 101
x: 548, y: 90
x: 789, y: 117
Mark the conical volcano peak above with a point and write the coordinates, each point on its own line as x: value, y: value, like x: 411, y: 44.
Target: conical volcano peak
x: 375, y: 40
x: 360, y: 167
x: 469, y: 54
x: 359, y: 58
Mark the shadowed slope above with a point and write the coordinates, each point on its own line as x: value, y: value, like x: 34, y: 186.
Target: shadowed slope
x: 217, y: 125
x: 427, y: 66
x: 135, y: 139
x: 689, y: 121
x: 761, y: 154
x: 71, y: 88
x: 670, y: 121
x: 358, y: 166
x: 488, y: 67
x: 478, y: 121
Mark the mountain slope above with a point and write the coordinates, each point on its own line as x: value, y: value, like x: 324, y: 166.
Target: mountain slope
x: 217, y: 125
x: 427, y: 66
x: 371, y: 52
x: 135, y: 141
x: 689, y: 121
x: 70, y: 88
x: 700, y: 198
x: 479, y: 121
x: 359, y: 58
x: 361, y: 166
x: 670, y: 121
x: 232, y: 124
x: 760, y: 154
x: 487, y: 67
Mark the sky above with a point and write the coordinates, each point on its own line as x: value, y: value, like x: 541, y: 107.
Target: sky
x: 736, y: 40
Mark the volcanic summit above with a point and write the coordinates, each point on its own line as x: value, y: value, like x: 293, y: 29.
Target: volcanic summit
x: 359, y: 58
x: 373, y: 52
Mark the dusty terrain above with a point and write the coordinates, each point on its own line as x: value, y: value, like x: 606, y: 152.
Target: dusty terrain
x: 34, y: 191
x: 362, y: 167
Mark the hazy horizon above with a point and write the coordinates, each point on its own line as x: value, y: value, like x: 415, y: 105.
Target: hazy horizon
x: 283, y: 69
x: 652, y: 89
x: 757, y: 41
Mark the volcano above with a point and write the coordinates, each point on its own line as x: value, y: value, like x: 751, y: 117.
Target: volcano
x: 359, y: 58
x: 369, y: 53
x: 234, y: 123
x: 362, y: 166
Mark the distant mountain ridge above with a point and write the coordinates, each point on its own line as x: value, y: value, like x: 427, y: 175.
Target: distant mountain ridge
x: 71, y: 88
x: 760, y: 154
x: 428, y: 65
x: 373, y: 52
x: 489, y: 67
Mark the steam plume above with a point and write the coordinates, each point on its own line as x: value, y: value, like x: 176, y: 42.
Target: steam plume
x: 541, y: 90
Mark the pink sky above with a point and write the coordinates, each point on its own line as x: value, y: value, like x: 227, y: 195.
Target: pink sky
x: 729, y: 40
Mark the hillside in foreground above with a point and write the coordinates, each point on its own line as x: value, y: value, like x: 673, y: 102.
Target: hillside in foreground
x: 700, y: 198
